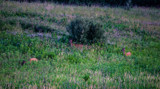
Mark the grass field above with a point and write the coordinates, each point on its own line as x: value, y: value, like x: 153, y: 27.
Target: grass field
x: 64, y: 67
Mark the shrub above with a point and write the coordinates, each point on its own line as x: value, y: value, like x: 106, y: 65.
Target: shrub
x: 95, y: 33
x: 85, y: 31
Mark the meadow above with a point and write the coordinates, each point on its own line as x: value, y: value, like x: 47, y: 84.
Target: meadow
x: 29, y: 30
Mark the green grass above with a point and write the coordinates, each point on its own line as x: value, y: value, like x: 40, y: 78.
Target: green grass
x: 62, y: 66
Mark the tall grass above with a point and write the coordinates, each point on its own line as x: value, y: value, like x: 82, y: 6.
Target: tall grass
x: 32, y: 30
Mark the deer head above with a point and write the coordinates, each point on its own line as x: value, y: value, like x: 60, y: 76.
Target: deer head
x: 123, y: 50
x: 70, y: 41
x: 23, y: 62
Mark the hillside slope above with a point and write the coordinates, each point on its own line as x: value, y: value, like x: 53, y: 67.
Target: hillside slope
x: 38, y: 30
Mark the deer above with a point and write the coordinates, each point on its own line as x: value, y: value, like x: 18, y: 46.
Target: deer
x: 79, y: 46
x: 31, y: 60
x: 126, y: 54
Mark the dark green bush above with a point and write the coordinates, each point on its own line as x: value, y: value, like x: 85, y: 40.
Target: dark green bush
x: 85, y: 31
x: 95, y: 33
